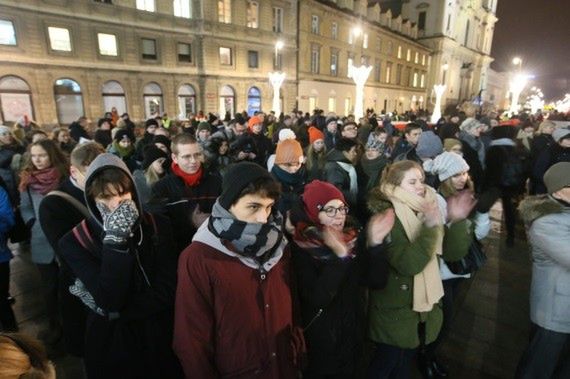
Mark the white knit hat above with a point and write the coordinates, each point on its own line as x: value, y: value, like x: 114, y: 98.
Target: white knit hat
x: 4, y: 129
x: 446, y: 165
x: 286, y: 133
x: 469, y: 123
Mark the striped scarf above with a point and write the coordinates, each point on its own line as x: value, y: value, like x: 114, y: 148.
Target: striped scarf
x: 251, y: 240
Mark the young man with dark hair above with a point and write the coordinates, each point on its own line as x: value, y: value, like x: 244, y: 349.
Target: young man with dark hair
x: 189, y: 190
x: 340, y: 169
x: 125, y: 263
x: 59, y: 212
x: 405, y: 145
x: 233, y: 302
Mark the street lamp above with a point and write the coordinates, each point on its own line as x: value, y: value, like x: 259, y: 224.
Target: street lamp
x: 517, y: 61
x: 439, y: 89
x: 359, y: 74
x: 276, y: 79
x: 517, y: 85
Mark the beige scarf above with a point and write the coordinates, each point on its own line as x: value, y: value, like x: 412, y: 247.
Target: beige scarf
x: 428, y: 288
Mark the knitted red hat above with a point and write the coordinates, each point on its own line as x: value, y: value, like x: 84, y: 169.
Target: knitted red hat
x: 316, y: 195
x: 253, y: 121
x: 315, y: 134
x: 288, y: 151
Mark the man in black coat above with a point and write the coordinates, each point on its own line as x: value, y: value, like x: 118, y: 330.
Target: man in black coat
x: 125, y: 263
x: 58, y: 215
x: 189, y: 191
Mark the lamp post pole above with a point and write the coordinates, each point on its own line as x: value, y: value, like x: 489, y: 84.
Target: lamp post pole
x: 276, y: 79
x: 517, y: 85
x: 439, y: 89
x: 359, y: 74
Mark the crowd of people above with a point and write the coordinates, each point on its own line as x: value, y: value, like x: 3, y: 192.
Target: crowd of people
x: 276, y: 247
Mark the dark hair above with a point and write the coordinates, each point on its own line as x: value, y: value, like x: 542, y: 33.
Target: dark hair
x: 264, y: 187
x: 347, y: 124
x: 411, y: 126
x: 345, y: 144
x: 117, y: 178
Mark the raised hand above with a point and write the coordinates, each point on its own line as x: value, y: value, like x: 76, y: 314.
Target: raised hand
x: 432, y: 214
x: 333, y: 239
x: 379, y: 226
x: 460, y: 206
x: 119, y: 222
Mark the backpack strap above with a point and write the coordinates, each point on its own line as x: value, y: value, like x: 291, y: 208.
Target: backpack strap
x: 83, y: 236
x: 73, y: 201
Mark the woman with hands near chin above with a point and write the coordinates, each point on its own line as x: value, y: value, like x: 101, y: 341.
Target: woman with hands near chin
x: 326, y: 250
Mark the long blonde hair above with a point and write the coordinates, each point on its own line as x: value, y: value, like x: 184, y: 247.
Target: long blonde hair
x: 151, y: 176
x: 22, y: 357
x: 447, y: 189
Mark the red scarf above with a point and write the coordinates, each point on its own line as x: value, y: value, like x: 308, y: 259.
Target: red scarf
x: 191, y: 180
x: 42, y: 181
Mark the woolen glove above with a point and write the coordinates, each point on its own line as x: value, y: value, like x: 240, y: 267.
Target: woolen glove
x: 119, y: 222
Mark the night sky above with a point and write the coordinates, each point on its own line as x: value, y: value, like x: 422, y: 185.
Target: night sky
x: 539, y: 33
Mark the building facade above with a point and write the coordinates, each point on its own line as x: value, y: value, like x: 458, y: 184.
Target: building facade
x: 460, y: 35
x: 60, y: 59
x: 332, y: 33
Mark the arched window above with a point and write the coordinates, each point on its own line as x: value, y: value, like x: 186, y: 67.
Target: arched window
x: 114, y: 97
x: 186, y: 101
x: 253, y: 101
x: 227, y: 101
x: 68, y: 100
x: 15, y: 99
x: 152, y: 97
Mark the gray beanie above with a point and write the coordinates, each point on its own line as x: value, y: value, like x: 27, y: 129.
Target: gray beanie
x: 429, y: 145
x: 446, y: 165
x: 557, y: 177
x: 469, y: 123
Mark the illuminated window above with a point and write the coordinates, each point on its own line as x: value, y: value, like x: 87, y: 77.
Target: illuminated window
x: 334, y: 30
x: 146, y: 5
x: 59, y: 39
x: 225, y: 56
x: 417, y: 57
x: 334, y: 63
x: 7, y: 33
x: 182, y: 8
x: 225, y: 11
x: 408, y: 55
x: 365, y: 41
x: 399, y: 52
x: 107, y: 44
x: 252, y: 14
x: 388, y: 72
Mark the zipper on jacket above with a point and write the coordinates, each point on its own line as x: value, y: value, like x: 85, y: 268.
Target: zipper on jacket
x: 313, y: 319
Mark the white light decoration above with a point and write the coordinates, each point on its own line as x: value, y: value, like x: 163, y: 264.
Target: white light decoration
x: 359, y: 75
x: 535, y: 100
x: 517, y: 85
x: 563, y: 105
x: 276, y: 79
x: 439, y: 89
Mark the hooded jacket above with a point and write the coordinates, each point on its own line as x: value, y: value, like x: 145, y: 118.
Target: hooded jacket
x: 232, y: 319
x: 548, y: 225
x: 338, y: 176
x: 134, y: 284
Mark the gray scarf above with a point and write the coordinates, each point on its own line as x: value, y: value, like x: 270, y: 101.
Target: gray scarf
x: 244, y: 238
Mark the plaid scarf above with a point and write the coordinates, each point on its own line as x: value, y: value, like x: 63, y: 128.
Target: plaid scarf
x: 309, y: 238
x: 251, y: 240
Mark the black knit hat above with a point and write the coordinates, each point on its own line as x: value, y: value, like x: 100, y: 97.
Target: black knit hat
x: 162, y: 139
x: 237, y: 177
x: 151, y: 153
x: 505, y: 131
x: 124, y: 133
x: 149, y: 122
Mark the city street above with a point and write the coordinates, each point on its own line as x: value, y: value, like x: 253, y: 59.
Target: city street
x: 487, y: 338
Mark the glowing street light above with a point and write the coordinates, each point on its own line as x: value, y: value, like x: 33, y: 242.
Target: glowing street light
x: 439, y: 89
x: 517, y: 85
x: 276, y: 79
x: 359, y: 74
x: 517, y: 61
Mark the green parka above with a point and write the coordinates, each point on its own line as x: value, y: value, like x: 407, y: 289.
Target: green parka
x: 392, y: 320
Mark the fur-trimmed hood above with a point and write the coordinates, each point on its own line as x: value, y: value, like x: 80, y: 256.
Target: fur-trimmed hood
x: 377, y: 201
x: 535, y: 207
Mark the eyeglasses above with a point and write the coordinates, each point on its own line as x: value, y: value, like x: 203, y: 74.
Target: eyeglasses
x: 332, y: 211
x: 350, y: 128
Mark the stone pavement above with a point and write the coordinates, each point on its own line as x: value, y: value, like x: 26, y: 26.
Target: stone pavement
x: 487, y: 337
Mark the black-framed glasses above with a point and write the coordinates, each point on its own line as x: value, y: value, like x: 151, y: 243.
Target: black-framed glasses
x: 332, y: 211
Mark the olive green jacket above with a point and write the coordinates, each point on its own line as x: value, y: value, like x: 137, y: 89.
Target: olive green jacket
x: 392, y: 320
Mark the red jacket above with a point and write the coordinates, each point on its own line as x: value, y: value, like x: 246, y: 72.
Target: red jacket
x: 231, y: 321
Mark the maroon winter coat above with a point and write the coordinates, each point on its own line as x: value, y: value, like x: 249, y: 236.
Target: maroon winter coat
x: 231, y: 320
